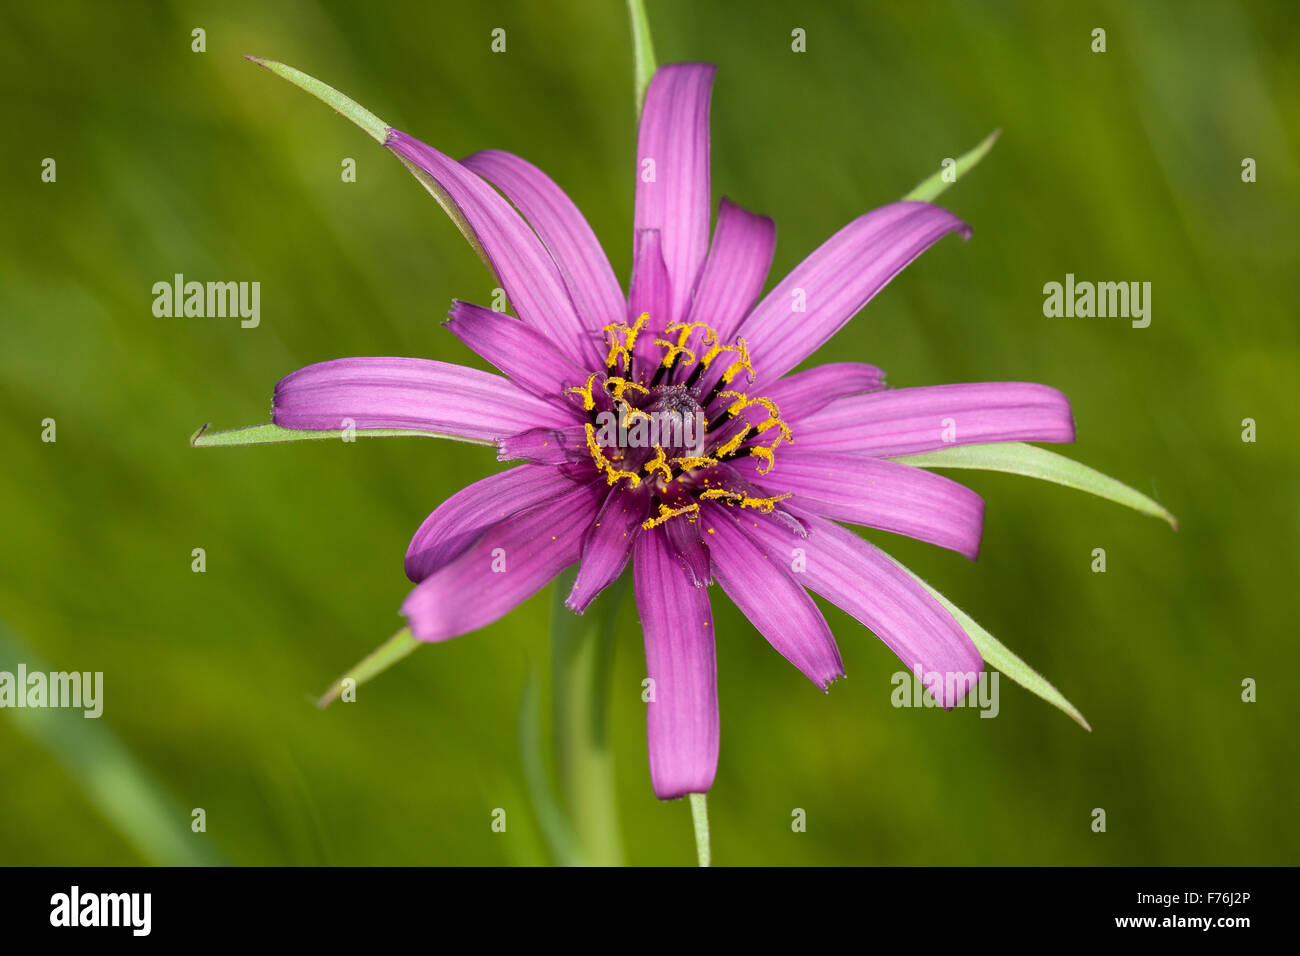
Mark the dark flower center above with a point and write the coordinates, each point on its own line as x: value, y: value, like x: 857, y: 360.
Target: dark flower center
x: 671, y: 415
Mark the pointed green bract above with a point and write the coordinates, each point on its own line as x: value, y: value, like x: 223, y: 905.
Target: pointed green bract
x: 700, y: 818
x: 643, y: 51
x: 274, y: 434
x: 932, y: 187
x: 341, y: 104
x: 1018, y: 458
x: 998, y: 656
x: 397, y: 647
x: 378, y: 130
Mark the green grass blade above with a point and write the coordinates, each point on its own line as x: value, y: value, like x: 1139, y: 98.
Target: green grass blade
x: 123, y: 790
x: 932, y: 187
x: 274, y: 434
x: 1018, y: 458
x: 559, y: 836
x: 643, y: 51
x: 397, y: 647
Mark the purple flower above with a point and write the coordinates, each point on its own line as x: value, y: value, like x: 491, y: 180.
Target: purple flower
x: 597, y: 399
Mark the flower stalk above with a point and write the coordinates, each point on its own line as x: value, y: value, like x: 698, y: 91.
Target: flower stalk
x: 582, y: 656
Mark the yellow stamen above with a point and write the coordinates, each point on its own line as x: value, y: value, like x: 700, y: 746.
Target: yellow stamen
x: 714, y: 352
x: 659, y: 463
x: 722, y: 451
x: 743, y: 402
x: 673, y: 351
x: 588, y: 402
x: 763, y: 505
x: 666, y: 512
x: 604, y: 464
x: 701, y: 461
x: 621, y: 385
x: 742, y: 361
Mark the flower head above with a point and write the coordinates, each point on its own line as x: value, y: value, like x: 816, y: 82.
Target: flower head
x: 667, y: 428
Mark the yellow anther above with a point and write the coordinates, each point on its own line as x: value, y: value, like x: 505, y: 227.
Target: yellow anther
x: 627, y: 413
x: 722, y: 451
x: 763, y: 505
x: 742, y: 361
x: 588, y: 402
x: 714, y: 352
x: 697, y: 461
x: 612, y: 474
x: 743, y: 402
x: 628, y: 334
x: 621, y: 385
x: 786, y: 435
x: 673, y: 351
x: 659, y: 463
x: 683, y: 330
x: 666, y: 512
x: 766, y: 456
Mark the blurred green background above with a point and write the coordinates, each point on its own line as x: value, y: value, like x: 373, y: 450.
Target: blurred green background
x: 1116, y: 166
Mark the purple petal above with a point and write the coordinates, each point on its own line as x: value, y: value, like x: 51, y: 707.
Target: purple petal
x: 512, y: 561
x: 687, y: 543
x: 682, y: 720
x: 418, y: 394
x: 880, y: 494
x: 547, y: 446
x: 464, y: 517
x: 906, y: 421
x: 801, y: 394
x: 837, y: 280
x: 736, y: 268
x: 673, y: 149
x: 519, y: 351
x: 775, y: 603
x: 588, y: 276
x: 523, y: 266
x: 862, y: 581
x: 649, y: 292
x: 609, y: 545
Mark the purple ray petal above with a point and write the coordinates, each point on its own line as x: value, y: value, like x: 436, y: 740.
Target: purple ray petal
x: 673, y: 146
x: 879, y: 494
x: 686, y: 541
x: 518, y: 350
x: 419, y: 394
x: 525, y: 269
x: 548, y: 446
x: 775, y: 603
x: 649, y: 292
x: 682, y: 720
x: 464, y: 517
x: 609, y: 544
x: 588, y: 276
x: 837, y: 280
x: 862, y: 581
x: 510, y: 562
x: 736, y: 268
x: 907, y: 421
x: 801, y: 394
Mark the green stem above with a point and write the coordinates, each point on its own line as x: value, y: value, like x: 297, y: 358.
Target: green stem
x: 700, y: 817
x: 582, y: 656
